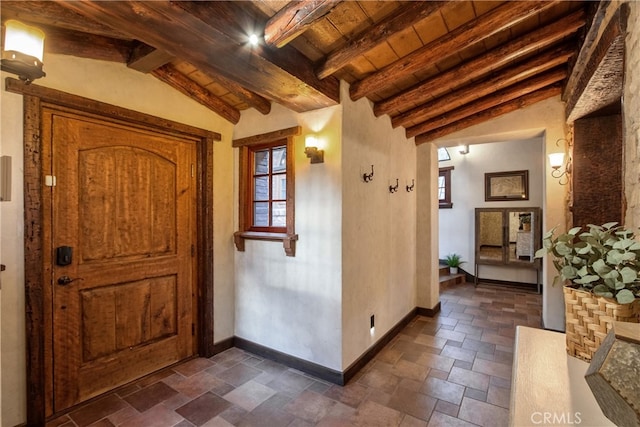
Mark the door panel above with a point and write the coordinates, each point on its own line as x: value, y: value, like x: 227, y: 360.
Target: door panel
x: 125, y: 202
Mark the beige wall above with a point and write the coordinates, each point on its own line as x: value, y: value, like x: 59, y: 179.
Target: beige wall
x: 292, y: 304
x: 631, y: 106
x: 114, y: 84
x: 379, y: 228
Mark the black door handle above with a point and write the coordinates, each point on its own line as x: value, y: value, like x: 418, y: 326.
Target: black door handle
x: 65, y: 280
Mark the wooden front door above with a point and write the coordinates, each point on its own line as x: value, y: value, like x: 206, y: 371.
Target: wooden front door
x: 119, y: 249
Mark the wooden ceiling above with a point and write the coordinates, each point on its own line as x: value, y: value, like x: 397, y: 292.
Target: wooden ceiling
x: 434, y: 67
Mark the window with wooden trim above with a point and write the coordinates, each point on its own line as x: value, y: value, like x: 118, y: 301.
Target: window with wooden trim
x: 444, y: 188
x: 267, y: 189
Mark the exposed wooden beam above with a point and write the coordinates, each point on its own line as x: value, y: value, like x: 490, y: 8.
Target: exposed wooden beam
x: 294, y: 19
x: 512, y: 92
x: 248, y: 97
x: 145, y: 58
x: 280, y: 74
x: 487, y: 63
x: 498, y: 19
x: 85, y: 45
x: 408, y: 15
x: 491, y: 113
x: 51, y: 13
x: 179, y: 81
x: 471, y: 92
x: 596, y: 80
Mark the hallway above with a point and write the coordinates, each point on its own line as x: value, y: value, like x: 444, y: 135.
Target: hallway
x: 450, y: 370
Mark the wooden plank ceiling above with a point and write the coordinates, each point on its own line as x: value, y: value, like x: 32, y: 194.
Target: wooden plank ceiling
x: 434, y: 67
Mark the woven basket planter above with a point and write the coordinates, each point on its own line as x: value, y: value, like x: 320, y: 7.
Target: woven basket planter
x: 590, y: 317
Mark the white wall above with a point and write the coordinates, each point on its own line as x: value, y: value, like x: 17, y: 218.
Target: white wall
x: 379, y: 228
x: 115, y: 84
x: 457, y: 225
x: 293, y: 304
x: 545, y: 118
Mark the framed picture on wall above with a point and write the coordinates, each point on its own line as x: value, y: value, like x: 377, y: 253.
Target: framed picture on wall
x: 505, y: 186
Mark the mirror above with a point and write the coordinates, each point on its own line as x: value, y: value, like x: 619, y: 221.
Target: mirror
x: 507, y: 236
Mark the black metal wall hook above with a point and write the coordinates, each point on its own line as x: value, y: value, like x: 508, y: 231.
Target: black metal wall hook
x: 394, y: 188
x: 410, y: 187
x: 368, y: 177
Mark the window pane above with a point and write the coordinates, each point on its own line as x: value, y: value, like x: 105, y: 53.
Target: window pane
x: 261, y: 214
x: 441, y: 187
x: 261, y: 188
x: 279, y: 189
x: 261, y: 162
x: 280, y: 159
x: 279, y: 214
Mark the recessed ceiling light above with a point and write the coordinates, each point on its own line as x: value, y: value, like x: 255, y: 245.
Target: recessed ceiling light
x: 253, y: 40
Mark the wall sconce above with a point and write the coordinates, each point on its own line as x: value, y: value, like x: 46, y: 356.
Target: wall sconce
x: 463, y: 149
x: 368, y: 177
x: 394, y: 188
x: 311, y: 149
x: 22, y: 51
x: 556, y: 160
x: 410, y: 187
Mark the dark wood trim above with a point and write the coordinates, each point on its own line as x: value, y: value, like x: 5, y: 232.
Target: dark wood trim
x: 224, y: 345
x: 205, y: 239
x: 34, y: 270
x: 34, y: 97
x: 429, y: 312
x: 133, y: 118
x: 266, y: 138
x: 319, y: 371
x: 311, y: 368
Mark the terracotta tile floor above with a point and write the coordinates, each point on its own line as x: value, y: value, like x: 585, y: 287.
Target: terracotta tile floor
x: 450, y: 370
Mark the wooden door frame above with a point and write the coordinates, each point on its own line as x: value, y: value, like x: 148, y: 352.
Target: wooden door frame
x: 34, y: 98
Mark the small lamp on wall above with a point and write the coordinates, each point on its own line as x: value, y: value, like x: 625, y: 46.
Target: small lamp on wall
x: 556, y: 161
x: 463, y: 149
x: 311, y: 143
x: 22, y: 50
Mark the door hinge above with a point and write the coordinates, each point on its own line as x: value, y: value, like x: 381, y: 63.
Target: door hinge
x: 50, y: 180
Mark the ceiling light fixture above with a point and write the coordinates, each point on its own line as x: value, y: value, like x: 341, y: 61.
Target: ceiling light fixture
x: 463, y: 149
x: 254, y: 40
x: 22, y: 50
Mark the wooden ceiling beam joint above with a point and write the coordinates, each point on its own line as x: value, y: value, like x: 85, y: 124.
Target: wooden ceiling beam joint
x: 294, y: 19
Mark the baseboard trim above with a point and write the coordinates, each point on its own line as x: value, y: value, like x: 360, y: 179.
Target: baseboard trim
x: 319, y: 371
x: 368, y: 355
x: 223, y: 345
x: 311, y: 368
x: 429, y: 312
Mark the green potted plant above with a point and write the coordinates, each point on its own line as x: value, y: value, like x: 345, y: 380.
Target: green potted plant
x: 600, y: 271
x: 525, y: 222
x: 453, y: 261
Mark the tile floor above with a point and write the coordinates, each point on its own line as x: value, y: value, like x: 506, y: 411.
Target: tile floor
x: 450, y: 370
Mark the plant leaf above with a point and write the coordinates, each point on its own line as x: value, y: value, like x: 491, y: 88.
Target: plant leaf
x: 602, y: 291
x: 600, y: 267
x: 628, y: 274
x: 574, y: 231
x: 625, y: 296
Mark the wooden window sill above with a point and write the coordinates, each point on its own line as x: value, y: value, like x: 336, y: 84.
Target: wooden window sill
x: 288, y: 240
